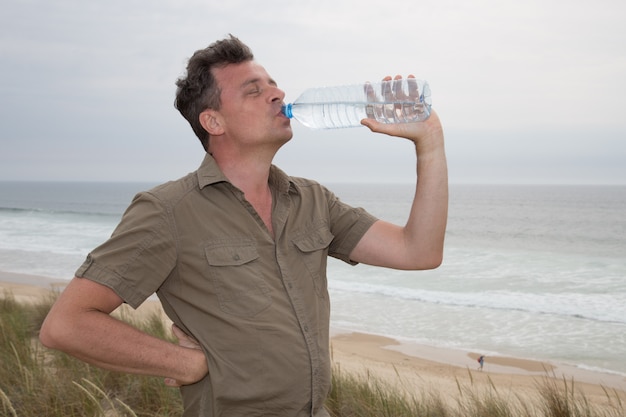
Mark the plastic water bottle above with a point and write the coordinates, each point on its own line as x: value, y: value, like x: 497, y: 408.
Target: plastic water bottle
x: 395, y: 101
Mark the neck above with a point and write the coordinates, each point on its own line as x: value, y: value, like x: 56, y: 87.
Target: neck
x: 249, y: 171
x: 249, y: 175
x: 246, y: 168
x: 253, y: 180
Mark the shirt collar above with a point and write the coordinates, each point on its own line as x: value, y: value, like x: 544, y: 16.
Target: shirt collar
x: 210, y: 173
x: 281, y: 181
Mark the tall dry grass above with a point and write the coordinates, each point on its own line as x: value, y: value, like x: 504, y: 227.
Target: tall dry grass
x: 39, y: 382
x: 36, y: 382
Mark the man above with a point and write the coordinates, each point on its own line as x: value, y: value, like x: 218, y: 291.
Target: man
x: 236, y: 252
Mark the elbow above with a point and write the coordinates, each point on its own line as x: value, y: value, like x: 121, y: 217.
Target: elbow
x: 46, y: 337
x: 428, y: 260
x: 433, y: 261
x: 51, y: 333
x: 436, y: 261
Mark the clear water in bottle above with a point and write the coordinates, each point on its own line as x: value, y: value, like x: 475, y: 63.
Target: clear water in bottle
x: 394, y: 101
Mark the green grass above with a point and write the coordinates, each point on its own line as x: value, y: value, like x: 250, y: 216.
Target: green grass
x: 35, y: 381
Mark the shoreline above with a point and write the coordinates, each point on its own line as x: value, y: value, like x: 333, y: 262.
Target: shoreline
x: 494, y: 363
x: 408, y: 365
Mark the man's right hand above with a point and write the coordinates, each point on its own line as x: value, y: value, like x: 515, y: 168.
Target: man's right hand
x: 198, y: 371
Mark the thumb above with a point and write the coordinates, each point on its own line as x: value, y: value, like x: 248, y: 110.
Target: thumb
x: 184, y: 339
x: 390, y: 129
x: 371, y: 124
x: 178, y: 332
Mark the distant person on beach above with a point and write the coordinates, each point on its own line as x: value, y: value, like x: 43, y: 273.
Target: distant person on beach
x: 236, y: 252
x: 481, y: 362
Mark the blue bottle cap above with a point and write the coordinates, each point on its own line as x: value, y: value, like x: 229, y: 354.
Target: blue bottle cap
x: 286, y: 109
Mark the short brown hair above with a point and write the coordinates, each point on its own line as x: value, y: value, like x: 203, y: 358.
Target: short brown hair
x: 198, y: 90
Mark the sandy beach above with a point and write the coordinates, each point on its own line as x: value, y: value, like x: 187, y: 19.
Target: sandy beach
x: 410, y: 367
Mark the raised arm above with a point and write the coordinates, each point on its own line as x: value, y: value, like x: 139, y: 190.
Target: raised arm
x: 419, y: 243
x: 80, y: 324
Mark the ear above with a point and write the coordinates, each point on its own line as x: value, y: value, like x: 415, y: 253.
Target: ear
x: 211, y: 122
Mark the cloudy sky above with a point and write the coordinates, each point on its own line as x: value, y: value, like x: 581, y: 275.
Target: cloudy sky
x: 529, y: 91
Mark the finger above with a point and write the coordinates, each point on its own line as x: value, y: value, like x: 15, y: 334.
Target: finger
x: 386, y: 89
x: 369, y: 91
x: 400, y: 96
x: 398, y: 90
x: 413, y: 86
x: 171, y: 382
x: 378, y: 127
x: 387, y: 93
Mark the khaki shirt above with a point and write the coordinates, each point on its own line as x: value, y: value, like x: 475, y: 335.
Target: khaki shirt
x: 258, y: 305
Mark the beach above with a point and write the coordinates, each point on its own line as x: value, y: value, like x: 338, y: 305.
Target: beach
x: 532, y: 272
x: 414, y: 368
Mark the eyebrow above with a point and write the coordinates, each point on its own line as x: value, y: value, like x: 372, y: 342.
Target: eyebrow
x: 256, y: 80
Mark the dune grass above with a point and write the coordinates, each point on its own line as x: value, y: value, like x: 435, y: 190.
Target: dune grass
x: 35, y: 381
x: 40, y: 382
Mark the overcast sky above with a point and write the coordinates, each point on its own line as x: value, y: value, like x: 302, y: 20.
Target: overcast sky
x: 530, y: 91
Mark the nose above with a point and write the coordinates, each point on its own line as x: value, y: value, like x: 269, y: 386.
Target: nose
x: 276, y: 94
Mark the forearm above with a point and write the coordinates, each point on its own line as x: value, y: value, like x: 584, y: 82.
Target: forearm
x: 80, y: 324
x: 424, y: 232
x: 108, y: 343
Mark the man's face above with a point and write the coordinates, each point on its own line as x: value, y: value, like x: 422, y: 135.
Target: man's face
x: 251, y: 104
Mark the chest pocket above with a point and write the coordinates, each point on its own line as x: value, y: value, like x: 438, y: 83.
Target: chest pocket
x: 235, y: 271
x: 313, y: 247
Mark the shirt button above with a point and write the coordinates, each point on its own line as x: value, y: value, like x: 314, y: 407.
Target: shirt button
x: 236, y: 257
x: 306, y: 328
x: 289, y: 285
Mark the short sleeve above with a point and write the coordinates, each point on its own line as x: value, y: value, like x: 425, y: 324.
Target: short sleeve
x: 139, y: 255
x: 348, y: 224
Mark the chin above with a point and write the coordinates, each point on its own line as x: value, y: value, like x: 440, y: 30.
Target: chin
x: 287, y: 134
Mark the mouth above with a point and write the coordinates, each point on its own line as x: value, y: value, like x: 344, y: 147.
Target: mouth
x: 283, y: 111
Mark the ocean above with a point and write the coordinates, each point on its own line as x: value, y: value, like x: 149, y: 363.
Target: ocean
x: 536, y: 272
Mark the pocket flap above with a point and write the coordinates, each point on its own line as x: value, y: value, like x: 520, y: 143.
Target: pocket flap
x: 315, y: 240
x: 231, y: 255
